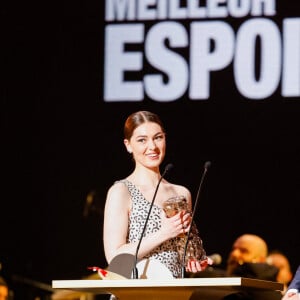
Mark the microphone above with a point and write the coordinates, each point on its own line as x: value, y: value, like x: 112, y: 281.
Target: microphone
x: 135, y: 270
x: 206, y: 166
x: 216, y: 259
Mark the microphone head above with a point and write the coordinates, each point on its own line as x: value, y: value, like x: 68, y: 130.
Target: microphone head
x: 216, y: 258
x: 169, y: 167
x: 207, y: 164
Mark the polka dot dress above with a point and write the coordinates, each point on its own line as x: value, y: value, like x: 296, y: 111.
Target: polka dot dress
x: 166, y: 253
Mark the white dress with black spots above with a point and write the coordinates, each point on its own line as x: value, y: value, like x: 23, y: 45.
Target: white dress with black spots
x: 167, y: 252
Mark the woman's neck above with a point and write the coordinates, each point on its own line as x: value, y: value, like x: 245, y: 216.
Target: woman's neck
x: 145, y: 177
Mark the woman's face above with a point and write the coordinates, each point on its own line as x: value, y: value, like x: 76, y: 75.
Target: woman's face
x: 147, y: 144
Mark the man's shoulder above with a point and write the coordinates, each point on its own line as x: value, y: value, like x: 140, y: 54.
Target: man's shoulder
x: 261, y: 271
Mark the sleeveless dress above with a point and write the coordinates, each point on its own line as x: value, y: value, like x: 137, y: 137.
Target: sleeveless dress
x: 167, y: 252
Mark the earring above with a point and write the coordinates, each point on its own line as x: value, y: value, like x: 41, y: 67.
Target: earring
x: 129, y: 151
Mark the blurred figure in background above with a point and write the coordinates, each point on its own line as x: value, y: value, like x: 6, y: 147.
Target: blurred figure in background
x: 281, y: 262
x: 4, y: 290
x: 247, y: 258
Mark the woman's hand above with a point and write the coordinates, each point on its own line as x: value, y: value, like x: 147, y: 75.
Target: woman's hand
x: 194, y: 265
x: 175, y: 225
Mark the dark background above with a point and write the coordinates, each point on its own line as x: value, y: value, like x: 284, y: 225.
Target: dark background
x: 60, y: 141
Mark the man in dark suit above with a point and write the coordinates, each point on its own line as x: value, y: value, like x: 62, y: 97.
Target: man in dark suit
x: 293, y: 288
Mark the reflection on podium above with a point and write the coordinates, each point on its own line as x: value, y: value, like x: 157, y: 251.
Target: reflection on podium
x: 66, y: 294
x: 71, y: 295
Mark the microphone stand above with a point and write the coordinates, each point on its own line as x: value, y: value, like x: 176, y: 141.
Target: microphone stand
x: 135, y: 270
x: 206, y: 166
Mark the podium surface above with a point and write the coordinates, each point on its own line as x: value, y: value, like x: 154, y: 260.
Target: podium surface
x: 175, y: 289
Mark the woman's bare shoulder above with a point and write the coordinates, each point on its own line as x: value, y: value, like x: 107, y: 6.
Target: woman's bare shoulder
x: 118, y: 195
x: 118, y: 187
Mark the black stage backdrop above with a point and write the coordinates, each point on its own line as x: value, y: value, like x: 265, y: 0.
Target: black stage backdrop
x: 62, y: 117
